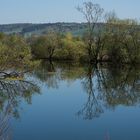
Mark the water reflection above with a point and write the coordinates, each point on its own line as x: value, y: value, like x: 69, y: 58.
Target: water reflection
x: 92, y: 108
x: 12, y: 92
x: 106, y: 86
x: 52, y: 73
x: 4, y: 126
x: 121, y: 86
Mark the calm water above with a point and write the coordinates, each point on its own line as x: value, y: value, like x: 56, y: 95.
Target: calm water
x: 72, y: 102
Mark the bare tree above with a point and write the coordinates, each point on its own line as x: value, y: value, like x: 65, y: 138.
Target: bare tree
x: 92, y: 13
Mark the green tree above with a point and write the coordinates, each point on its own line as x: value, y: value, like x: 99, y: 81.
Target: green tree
x: 45, y: 46
x: 14, y: 51
x: 71, y: 48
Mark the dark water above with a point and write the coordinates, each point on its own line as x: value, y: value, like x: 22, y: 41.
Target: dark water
x: 72, y: 102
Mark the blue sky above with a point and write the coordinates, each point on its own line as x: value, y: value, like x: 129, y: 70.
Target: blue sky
x: 41, y: 11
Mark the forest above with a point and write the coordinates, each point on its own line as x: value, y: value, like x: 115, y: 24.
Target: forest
x: 106, y: 38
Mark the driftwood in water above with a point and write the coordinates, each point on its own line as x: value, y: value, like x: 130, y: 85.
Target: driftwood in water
x: 4, y: 75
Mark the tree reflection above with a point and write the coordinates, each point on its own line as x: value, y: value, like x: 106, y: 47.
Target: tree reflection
x: 92, y: 108
x: 121, y: 86
x: 51, y: 73
x: 106, y: 86
x: 4, y: 126
x: 109, y: 87
x: 46, y: 73
x: 11, y: 94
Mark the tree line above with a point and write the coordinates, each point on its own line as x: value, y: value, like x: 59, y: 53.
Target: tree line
x: 106, y: 38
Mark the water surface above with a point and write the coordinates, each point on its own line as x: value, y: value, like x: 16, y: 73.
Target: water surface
x: 72, y: 102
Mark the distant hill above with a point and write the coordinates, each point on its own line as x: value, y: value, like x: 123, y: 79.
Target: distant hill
x: 28, y: 29
x: 38, y: 29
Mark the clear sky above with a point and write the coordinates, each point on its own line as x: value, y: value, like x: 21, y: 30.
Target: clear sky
x: 41, y: 11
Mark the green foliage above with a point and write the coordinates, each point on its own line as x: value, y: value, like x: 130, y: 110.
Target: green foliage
x: 56, y: 46
x: 122, y: 43
x: 71, y: 48
x: 45, y: 46
x: 14, y: 51
x: 116, y: 40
